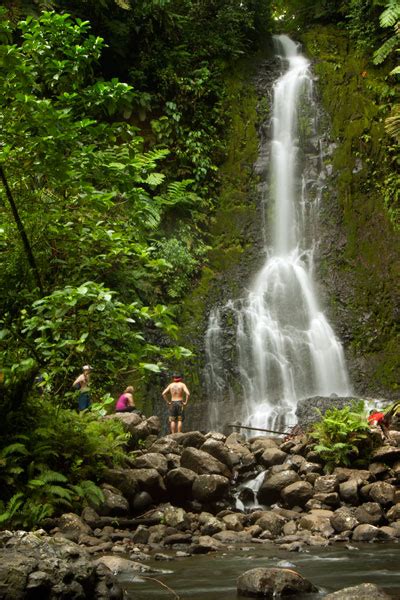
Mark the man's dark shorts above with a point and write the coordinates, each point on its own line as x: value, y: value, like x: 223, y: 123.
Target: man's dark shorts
x: 176, y: 411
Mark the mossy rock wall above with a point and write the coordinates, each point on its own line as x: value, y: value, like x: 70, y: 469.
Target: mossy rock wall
x: 235, y: 235
x: 359, y: 261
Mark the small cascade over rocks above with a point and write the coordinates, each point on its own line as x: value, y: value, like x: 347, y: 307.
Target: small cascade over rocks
x: 280, y: 340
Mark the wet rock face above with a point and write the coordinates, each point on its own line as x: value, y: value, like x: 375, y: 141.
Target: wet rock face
x: 272, y: 583
x: 309, y: 410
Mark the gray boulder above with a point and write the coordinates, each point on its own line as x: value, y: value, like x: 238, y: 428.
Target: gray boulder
x: 297, y: 494
x: 343, y: 519
x: 115, y: 504
x: 152, y: 460
x: 369, y: 513
x: 179, y: 483
x: 272, y: 456
x: 365, y: 591
x: 272, y: 583
x: 203, y: 463
x: 365, y: 533
x: 270, y: 489
x: 209, y: 488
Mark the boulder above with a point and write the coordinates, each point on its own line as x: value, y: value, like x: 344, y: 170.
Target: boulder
x: 209, y: 488
x: 203, y: 463
x: 166, y: 445
x: 192, y: 439
x: 386, y: 454
x: 114, y: 505
x: 348, y: 491
x: 272, y: 583
x: 236, y: 444
x: 129, y: 421
x: 393, y: 514
x: 297, y: 494
x: 72, y: 526
x: 309, y: 467
x: 205, y: 545
x: 317, y: 521
x: 365, y: 533
x: 218, y: 450
x: 361, y: 476
x: 234, y: 521
x: 343, y: 519
x: 326, y: 484
x: 382, y: 493
x: 179, y: 482
x: 369, y: 513
x: 262, y: 443
x: 152, y: 460
x: 270, y: 489
x: 176, y: 517
x: 365, y: 591
x: 272, y: 456
x: 210, y: 524
x: 272, y: 522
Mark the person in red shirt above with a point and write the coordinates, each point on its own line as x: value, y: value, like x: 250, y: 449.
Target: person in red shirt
x: 379, y: 419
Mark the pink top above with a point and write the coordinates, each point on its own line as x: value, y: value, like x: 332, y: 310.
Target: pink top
x: 122, y: 402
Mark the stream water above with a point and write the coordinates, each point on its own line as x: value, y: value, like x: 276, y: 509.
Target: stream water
x: 285, y: 347
x: 213, y: 576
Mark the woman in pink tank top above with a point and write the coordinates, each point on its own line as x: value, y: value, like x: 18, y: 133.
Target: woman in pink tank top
x: 125, y: 402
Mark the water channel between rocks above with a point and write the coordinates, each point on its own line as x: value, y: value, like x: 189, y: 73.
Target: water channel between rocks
x: 213, y: 576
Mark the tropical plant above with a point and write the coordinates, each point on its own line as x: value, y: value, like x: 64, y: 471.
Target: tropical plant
x: 341, y: 436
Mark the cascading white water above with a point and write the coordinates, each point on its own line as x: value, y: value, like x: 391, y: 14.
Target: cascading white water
x: 286, y: 348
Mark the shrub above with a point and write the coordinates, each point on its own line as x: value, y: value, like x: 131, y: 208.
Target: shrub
x: 343, y: 437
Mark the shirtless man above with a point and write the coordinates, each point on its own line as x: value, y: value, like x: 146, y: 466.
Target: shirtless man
x: 177, y: 390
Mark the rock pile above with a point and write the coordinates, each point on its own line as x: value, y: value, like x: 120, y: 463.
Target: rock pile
x: 196, y: 487
x: 194, y: 493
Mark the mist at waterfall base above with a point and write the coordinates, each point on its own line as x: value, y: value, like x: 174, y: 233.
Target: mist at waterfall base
x: 285, y: 349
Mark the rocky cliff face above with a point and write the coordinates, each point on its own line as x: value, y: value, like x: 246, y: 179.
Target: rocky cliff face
x: 359, y: 256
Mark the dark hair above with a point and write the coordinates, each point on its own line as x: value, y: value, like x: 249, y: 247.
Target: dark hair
x: 177, y: 376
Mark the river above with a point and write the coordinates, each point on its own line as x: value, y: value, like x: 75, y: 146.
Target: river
x: 213, y: 576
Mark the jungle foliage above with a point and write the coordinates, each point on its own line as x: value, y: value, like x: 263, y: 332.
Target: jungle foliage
x: 106, y: 191
x: 112, y: 122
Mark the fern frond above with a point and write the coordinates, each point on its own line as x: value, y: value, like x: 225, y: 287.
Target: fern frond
x: 392, y: 124
x: 16, y: 448
x: 13, y: 505
x: 391, y: 14
x: 123, y: 4
x: 60, y: 492
x: 386, y: 48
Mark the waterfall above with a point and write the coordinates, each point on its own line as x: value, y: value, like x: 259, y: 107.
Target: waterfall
x: 285, y: 348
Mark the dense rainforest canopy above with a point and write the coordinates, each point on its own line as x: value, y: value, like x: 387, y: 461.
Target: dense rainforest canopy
x: 114, y: 116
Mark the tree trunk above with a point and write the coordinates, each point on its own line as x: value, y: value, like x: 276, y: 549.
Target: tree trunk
x: 22, y: 232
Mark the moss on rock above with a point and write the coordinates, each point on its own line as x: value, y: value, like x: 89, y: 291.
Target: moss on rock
x: 364, y: 295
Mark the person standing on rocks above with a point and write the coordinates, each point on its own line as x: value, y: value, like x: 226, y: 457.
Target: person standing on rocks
x: 179, y: 397
x: 82, y: 383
